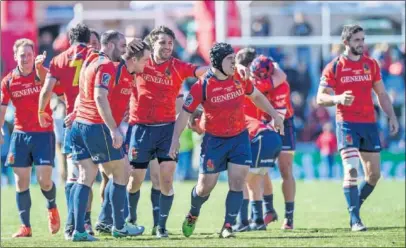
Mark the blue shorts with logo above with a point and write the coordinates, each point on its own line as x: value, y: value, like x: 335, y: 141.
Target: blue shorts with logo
x: 67, y: 141
x: 27, y: 148
x: 93, y: 141
x: 364, y: 136
x: 217, y: 152
x: 265, y: 148
x: 150, y: 141
x: 128, y: 139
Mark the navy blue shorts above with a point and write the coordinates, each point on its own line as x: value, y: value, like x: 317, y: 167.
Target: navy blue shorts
x: 93, y: 141
x: 265, y: 148
x: 67, y: 141
x: 149, y: 142
x: 289, y: 139
x: 217, y: 152
x: 27, y: 148
x: 364, y: 136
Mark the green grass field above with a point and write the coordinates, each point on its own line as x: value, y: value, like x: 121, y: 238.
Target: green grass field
x: 321, y: 219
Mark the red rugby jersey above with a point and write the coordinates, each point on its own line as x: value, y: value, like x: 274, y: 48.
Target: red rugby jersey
x: 343, y: 74
x: 223, y: 103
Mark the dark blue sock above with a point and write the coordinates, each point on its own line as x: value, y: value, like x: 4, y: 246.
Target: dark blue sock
x: 155, y: 195
x: 70, y: 220
x: 165, y: 205
x: 256, y: 207
x: 80, y: 202
x: 88, y: 218
x: 352, y: 197
x: 233, y: 205
x: 126, y: 207
x: 133, y: 199
x: 106, y: 213
x: 68, y: 187
x: 268, y: 203
x: 289, y: 209
x: 365, y: 190
x: 196, y: 202
x: 51, y: 196
x: 117, y: 196
x: 243, y: 214
x: 24, y: 206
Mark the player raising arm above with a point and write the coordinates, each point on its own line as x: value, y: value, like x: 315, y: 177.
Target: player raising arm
x: 226, y: 144
x: 347, y: 82
x: 30, y: 144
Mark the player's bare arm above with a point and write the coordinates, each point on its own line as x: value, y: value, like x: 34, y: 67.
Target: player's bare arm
x: 178, y: 104
x: 278, y: 76
x: 386, y: 105
x: 262, y: 102
x: 180, y: 125
x: 103, y: 107
x: 326, y: 97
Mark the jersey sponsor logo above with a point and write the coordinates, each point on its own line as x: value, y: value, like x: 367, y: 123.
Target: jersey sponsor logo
x: 348, y: 139
x: 357, y: 78
x: 227, y: 97
x: 26, y: 92
x: 189, y: 100
x: 366, y: 69
x: 105, y: 79
x: 210, y: 165
x: 217, y: 89
x: 357, y: 72
x: 126, y: 91
x: 156, y: 79
x: 346, y: 69
x: 279, y: 97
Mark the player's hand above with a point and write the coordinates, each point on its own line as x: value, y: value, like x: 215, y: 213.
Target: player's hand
x: 69, y: 119
x: 174, y: 150
x: 243, y: 71
x: 45, y: 120
x: 117, y: 138
x: 195, y: 126
x: 278, y: 123
x: 138, y: 45
x: 39, y: 60
x: 347, y: 98
x: 393, y: 125
x: 126, y: 115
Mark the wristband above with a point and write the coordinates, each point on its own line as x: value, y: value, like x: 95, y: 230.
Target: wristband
x: 336, y: 100
x: 41, y: 112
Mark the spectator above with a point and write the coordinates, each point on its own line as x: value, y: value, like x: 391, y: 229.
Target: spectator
x: 302, y: 28
x: 327, y: 144
x: 304, y: 82
x: 318, y: 116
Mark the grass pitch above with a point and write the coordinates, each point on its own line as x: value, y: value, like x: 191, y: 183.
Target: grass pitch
x: 321, y: 219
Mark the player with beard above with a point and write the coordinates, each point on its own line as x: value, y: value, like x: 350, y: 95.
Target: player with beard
x: 96, y: 136
x: 346, y: 83
x: 152, y: 120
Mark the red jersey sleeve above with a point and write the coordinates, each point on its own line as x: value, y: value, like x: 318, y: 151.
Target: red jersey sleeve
x: 263, y: 85
x: 185, y: 70
x: 377, y: 72
x: 5, y: 93
x: 194, y: 98
x: 53, y: 69
x: 327, y: 77
x: 105, y: 77
x: 249, y: 88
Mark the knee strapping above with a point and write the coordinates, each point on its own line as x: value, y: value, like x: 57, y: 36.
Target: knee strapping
x: 350, y: 159
x: 72, y: 170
